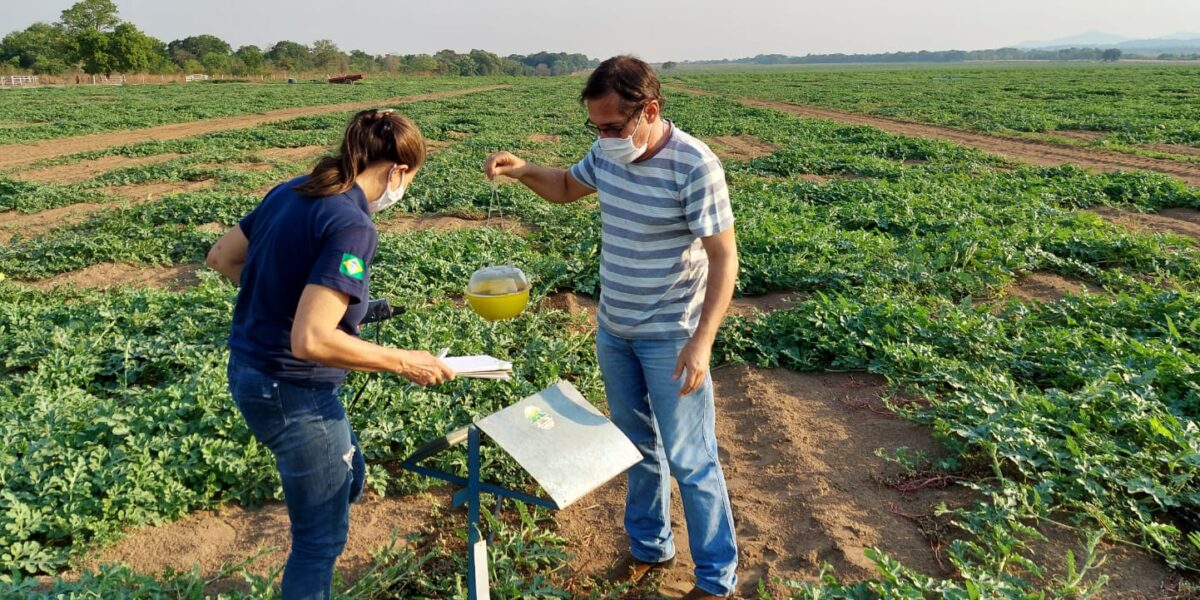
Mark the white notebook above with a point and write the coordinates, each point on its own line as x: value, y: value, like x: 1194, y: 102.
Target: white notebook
x: 480, y: 366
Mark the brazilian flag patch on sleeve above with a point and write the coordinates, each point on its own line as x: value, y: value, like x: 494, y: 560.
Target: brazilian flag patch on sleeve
x: 352, y: 266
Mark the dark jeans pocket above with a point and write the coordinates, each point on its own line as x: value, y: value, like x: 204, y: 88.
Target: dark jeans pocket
x: 258, y: 398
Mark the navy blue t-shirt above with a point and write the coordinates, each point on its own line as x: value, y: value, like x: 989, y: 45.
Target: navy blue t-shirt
x: 294, y: 241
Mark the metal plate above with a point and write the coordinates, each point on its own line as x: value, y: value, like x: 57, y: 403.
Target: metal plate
x: 568, y: 446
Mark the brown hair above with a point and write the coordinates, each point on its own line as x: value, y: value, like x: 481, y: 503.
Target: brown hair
x: 631, y: 78
x: 372, y: 136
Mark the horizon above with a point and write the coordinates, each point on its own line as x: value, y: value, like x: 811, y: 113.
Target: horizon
x: 834, y: 30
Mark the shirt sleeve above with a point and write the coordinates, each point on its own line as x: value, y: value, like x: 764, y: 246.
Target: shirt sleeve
x: 344, y: 261
x: 247, y: 222
x: 584, y: 171
x: 706, y: 199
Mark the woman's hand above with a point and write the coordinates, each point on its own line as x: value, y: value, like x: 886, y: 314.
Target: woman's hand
x: 423, y: 368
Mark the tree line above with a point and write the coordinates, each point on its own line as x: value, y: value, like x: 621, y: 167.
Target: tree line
x: 929, y: 56
x: 91, y: 37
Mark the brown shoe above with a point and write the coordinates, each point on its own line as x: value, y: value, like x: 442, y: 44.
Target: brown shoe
x: 631, y: 570
x: 699, y: 594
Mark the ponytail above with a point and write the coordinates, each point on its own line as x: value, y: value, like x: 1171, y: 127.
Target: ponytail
x: 372, y: 136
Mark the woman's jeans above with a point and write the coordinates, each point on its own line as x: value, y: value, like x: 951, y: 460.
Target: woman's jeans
x: 677, y: 437
x: 319, y: 462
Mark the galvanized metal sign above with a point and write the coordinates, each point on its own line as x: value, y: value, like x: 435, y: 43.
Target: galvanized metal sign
x: 568, y: 446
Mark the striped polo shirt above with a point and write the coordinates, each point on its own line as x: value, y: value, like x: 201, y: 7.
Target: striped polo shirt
x: 653, y: 268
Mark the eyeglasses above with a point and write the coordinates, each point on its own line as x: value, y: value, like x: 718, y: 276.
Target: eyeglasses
x: 611, y: 131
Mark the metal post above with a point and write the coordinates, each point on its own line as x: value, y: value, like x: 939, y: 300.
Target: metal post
x: 478, y: 587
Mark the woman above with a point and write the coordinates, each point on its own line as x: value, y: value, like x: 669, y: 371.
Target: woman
x: 303, y: 260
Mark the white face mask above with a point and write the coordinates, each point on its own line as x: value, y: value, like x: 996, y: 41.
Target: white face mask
x: 389, y: 196
x: 622, y: 150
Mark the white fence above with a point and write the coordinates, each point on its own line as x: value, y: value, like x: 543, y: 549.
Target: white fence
x: 15, y: 80
x: 114, y: 80
x: 191, y: 78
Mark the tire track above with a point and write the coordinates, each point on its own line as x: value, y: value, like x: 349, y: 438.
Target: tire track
x: 1029, y: 151
x: 13, y: 155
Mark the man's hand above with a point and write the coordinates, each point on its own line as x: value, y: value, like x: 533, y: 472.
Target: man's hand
x: 423, y: 368
x: 693, y: 359
x: 503, y: 163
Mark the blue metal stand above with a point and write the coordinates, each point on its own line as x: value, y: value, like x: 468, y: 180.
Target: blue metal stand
x: 472, y: 487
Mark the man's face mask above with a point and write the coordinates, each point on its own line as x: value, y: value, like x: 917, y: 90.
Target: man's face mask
x: 623, y: 150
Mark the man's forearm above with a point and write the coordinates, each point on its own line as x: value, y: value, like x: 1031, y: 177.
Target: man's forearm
x: 718, y: 295
x: 548, y: 182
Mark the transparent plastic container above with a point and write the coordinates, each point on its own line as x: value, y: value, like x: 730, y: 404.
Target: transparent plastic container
x: 498, y: 281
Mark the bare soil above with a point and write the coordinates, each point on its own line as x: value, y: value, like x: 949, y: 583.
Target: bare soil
x: 740, y: 147
x: 33, y: 224
x: 753, y: 306
x: 12, y: 155
x: 232, y: 534
x: 1173, y: 149
x: 435, y: 146
x: 1179, y: 221
x: 242, y: 166
x: 406, y: 223
x: 805, y: 484
x: 798, y: 451
x: 1047, y: 287
x: 299, y: 154
x: 1020, y: 149
x: 1082, y: 135
x: 545, y: 138
x: 145, y: 192
x: 110, y: 275
x: 85, y: 170
x: 746, y: 306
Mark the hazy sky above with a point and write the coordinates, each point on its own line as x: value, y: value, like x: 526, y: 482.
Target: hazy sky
x: 653, y: 29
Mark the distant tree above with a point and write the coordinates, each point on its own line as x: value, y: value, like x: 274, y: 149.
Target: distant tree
x: 90, y: 15
x: 133, y: 51
x: 1111, y: 55
x: 486, y: 63
x: 420, y: 63
x: 669, y: 65
x: 512, y: 66
x: 201, y: 46
x: 361, y: 62
x: 327, y: 56
x: 215, y: 62
x: 95, y: 53
x: 289, y: 56
x: 250, y: 61
x: 41, y: 48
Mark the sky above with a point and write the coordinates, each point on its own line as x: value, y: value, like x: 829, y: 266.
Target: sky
x: 656, y: 30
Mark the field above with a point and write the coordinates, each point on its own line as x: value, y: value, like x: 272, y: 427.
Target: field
x: 949, y: 373
x: 1135, y: 109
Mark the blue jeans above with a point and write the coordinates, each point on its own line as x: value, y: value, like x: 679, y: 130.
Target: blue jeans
x: 677, y: 437
x: 320, y: 465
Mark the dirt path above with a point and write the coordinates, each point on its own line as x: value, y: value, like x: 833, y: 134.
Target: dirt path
x: 232, y: 534
x: 82, y: 171
x: 1029, y: 151
x: 798, y: 450
x: 19, y: 154
x: 799, y: 458
x: 110, y: 275
x: 33, y: 224
x: 1179, y: 221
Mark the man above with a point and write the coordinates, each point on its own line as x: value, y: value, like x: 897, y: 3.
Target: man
x: 668, y: 263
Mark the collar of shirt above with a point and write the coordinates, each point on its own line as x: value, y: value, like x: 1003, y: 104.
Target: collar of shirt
x: 357, y: 194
